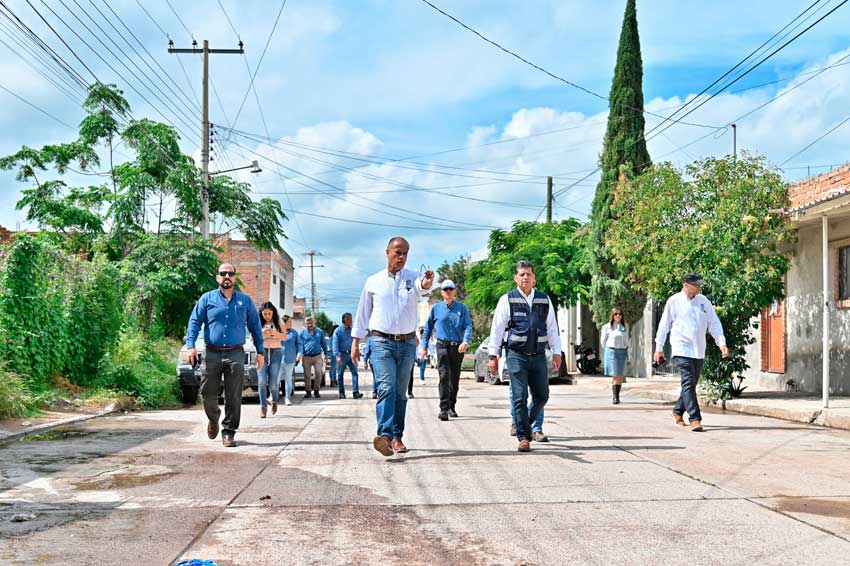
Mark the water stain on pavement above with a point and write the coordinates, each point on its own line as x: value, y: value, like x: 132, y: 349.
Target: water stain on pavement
x: 814, y: 506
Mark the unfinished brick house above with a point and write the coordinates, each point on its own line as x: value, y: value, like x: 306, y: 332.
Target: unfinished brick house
x: 264, y: 275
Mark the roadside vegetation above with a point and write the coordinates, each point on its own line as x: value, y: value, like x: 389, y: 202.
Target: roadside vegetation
x: 93, y: 306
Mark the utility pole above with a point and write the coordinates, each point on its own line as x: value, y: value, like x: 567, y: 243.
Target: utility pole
x: 549, y: 200
x: 205, y: 123
x: 314, y: 304
x: 735, y: 141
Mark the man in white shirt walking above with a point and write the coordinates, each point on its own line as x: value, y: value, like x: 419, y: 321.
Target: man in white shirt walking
x: 528, y: 317
x: 388, y: 306
x: 687, y: 317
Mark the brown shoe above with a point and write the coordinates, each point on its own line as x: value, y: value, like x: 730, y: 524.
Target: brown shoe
x: 212, y: 429
x: 679, y: 420
x: 513, y: 430
x: 274, y: 407
x: 382, y: 445
x: 696, y: 426
x: 539, y: 437
x: 262, y: 411
x: 398, y: 446
x: 228, y: 441
x: 524, y: 446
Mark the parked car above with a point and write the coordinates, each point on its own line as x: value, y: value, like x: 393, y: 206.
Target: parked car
x: 190, y: 376
x: 482, y: 372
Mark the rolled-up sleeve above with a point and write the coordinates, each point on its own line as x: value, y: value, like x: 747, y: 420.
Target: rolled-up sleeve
x: 196, y: 319
x: 500, y: 322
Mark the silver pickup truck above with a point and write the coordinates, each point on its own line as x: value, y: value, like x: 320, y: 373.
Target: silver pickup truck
x: 190, y: 377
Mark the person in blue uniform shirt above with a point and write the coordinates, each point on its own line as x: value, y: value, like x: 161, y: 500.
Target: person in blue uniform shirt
x: 313, y: 345
x: 341, y: 346
x: 449, y: 320
x: 224, y: 313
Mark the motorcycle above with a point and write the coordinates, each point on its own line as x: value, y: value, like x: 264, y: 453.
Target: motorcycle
x: 587, y: 361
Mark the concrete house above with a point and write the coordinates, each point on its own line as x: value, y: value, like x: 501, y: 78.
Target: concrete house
x: 803, y: 342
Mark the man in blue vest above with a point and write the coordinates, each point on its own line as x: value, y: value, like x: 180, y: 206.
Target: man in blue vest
x: 529, y: 319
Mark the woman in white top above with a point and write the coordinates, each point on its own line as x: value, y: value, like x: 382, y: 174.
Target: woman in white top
x: 615, y: 348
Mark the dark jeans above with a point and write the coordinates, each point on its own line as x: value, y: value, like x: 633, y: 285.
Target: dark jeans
x: 229, y: 366
x: 527, y: 372
x: 410, y: 381
x: 689, y: 370
x: 448, y: 365
x: 340, y: 372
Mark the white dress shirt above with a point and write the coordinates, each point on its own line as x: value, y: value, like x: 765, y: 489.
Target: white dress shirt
x: 616, y: 337
x: 388, y: 303
x: 502, y: 316
x: 687, y: 321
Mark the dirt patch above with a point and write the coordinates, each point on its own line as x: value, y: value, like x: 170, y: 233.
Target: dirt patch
x: 814, y: 506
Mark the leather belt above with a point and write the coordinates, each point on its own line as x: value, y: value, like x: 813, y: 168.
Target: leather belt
x: 312, y: 355
x: 222, y: 348
x: 407, y: 336
x: 447, y: 343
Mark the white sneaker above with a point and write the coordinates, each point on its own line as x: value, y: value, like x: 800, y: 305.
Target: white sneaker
x: 287, y: 402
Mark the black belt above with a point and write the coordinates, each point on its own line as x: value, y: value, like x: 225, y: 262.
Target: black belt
x: 407, y: 336
x: 222, y: 348
x: 447, y: 343
x: 345, y: 351
x: 312, y: 355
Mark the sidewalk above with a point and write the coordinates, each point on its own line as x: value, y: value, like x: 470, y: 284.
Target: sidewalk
x: 789, y: 406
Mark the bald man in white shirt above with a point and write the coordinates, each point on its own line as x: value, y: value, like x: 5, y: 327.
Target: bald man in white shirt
x: 388, y: 306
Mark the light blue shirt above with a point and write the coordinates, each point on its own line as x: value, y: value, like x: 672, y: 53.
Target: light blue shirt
x: 224, y: 320
x: 451, y: 323
x: 341, y: 341
x: 315, y: 343
x: 292, y: 346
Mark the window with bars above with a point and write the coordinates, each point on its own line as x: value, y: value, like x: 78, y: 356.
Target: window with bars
x: 282, y: 298
x: 844, y: 273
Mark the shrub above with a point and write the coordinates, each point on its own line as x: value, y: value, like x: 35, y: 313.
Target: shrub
x: 16, y: 400
x: 143, y: 369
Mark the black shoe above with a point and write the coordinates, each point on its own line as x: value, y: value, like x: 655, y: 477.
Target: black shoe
x: 374, y: 394
x: 212, y: 429
x: 342, y: 396
x: 443, y: 416
x: 357, y: 395
x: 316, y: 394
x: 453, y: 414
x: 410, y: 395
x: 333, y: 382
x: 227, y: 439
x: 307, y: 395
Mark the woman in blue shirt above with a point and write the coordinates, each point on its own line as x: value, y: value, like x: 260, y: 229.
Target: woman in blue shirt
x: 292, y: 351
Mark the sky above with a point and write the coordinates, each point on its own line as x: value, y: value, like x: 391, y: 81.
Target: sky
x: 380, y: 118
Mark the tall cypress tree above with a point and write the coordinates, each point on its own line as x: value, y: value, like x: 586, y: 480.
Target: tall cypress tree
x: 624, y: 156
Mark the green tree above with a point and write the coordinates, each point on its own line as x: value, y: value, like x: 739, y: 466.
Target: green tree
x: 324, y: 322
x: 558, y: 252
x: 713, y: 218
x: 457, y: 271
x: 624, y: 156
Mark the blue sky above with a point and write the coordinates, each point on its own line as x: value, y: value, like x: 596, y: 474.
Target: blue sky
x: 396, y: 79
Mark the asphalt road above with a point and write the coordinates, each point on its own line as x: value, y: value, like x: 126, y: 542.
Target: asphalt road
x: 617, y: 485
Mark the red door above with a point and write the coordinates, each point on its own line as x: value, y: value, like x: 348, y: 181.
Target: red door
x: 773, y: 338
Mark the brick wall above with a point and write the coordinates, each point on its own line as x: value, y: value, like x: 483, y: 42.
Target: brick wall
x: 261, y: 273
x: 820, y: 187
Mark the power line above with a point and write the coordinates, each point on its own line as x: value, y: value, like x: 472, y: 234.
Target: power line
x: 43, y: 111
x: 550, y: 73
x: 384, y: 225
x: 819, y: 138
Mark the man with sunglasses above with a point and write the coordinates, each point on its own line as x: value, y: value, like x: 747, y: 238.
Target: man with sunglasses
x: 687, y: 317
x: 224, y: 314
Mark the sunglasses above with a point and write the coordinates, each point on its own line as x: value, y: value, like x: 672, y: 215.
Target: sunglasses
x: 227, y: 273
x: 618, y: 314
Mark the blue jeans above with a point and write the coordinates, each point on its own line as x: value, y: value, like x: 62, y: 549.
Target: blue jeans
x: 392, y: 363
x: 537, y: 425
x: 423, y: 363
x: 340, y: 369
x: 268, y: 376
x: 332, y: 368
x: 527, y: 372
x: 689, y: 370
x: 288, y: 371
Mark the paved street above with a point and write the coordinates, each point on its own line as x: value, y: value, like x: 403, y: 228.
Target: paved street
x: 617, y: 485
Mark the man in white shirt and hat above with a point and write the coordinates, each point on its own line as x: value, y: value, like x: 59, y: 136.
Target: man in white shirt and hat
x: 688, y: 316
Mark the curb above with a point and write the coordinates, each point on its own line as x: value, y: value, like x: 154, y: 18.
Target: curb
x: 821, y: 417
x: 9, y: 437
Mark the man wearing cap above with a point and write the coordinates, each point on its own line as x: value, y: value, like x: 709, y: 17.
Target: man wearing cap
x: 449, y: 320
x: 687, y: 317
x: 526, y: 314
x: 389, y: 307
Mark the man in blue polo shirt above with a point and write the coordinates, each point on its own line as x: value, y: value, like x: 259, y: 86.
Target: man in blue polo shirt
x: 224, y: 314
x: 314, y: 345
x: 451, y: 322
x: 341, y: 346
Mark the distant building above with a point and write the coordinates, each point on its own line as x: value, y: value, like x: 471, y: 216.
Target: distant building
x: 264, y: 275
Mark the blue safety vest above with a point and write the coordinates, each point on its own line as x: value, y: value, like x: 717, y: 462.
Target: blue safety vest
x: 527, y: 328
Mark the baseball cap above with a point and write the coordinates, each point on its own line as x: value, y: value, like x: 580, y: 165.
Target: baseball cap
x: 447, y: 284
x: 693, y: 279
